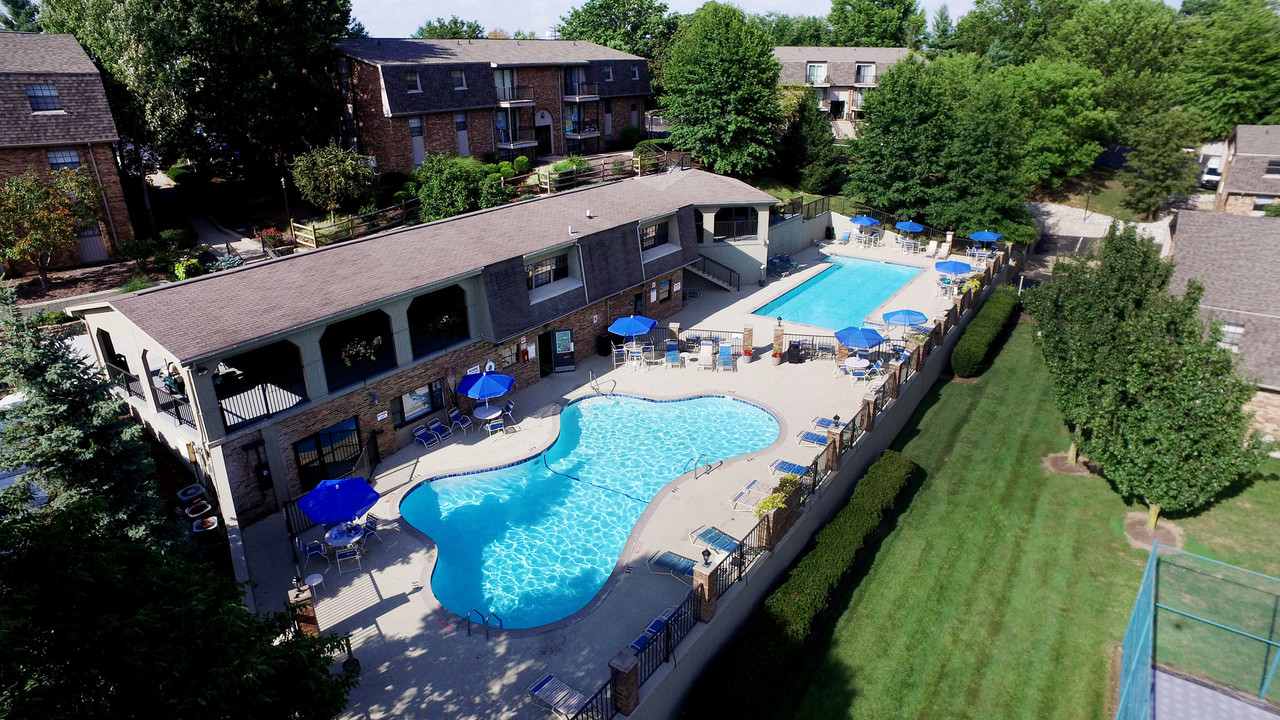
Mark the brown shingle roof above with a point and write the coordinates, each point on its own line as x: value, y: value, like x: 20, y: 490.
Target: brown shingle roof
x: 1258, y: 140
x: 27, y: 58
x: 1234, y: 256
x: 200, y: 317
x: 841, y: 61
x: 1249, y: 176
x: 389, y: 51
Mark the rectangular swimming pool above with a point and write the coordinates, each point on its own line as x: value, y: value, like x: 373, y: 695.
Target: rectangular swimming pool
x: 843, y: 294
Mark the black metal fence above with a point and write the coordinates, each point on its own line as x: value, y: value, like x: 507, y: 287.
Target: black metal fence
x: 128, y: 380
x: 338, y: 374
x: 663, y: 644
x: 845, y: 206
x: 599, y: 706
x: 245, y: 402
x: 175, y: 406
x: 691, y: 339
x: 735, y: 229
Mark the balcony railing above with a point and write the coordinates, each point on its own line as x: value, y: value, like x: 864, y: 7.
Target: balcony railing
x: 818, y: 79
x: 865, y: 79
x: 175, y: 405
x: 514, y: 93
x: 736, y: 229
x: 426, y: 339
x: 128, y: 380
x: 339, y: 375
x: 582, y: 129
x: 519, y: 137
x: 581, y: 89
x: 244, y: 401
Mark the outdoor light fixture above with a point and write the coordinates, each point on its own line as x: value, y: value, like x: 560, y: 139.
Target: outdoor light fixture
x: 373, y: 397
x: 588, y: 214
x: 779, y: 321
x: 706, y: 556
x: 202, y: 371
x: 297, y: 583
x: 836, y: 419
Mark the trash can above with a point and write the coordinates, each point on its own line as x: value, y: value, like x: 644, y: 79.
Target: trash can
x: 795, y: 353
x: 603, y: 345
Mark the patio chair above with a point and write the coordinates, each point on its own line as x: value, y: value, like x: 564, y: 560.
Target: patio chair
x: 619, y: 356
x: 557, y: 696
x: 509, y: 410
x: 669, y: 563
x: 348, y: 555
x: 371, y: 528
x: 857, y: 374
x: 706, y: 356
x: 931, y: 249
x: 844, y: 238
x: 714, y: 538
x: 315, y: 548
x: 427, y: 439
x: 672, y: 357
x: 788, y: 468
x: 748, y: 497
x: 495, y: 426
x: 876, y: 368
x: 808, y: 436
x: 724, y: 359
x: 437, y: 428
x: 457, y: 418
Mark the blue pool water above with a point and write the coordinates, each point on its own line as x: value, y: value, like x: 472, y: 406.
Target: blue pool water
x: 535, y: 542
x: 842, y: 295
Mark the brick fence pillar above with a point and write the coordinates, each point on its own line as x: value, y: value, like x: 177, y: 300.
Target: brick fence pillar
x: 625, y: 669
x: 305, y: 612
x: 778, y: 340
x: 749, y: 339
x: 867, y: 415
x: 704, y: 584
x: 842, y: 353
x: 833, y: 451
x: 891, y: 382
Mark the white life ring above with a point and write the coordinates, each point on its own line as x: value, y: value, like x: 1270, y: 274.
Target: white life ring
x: 488, y: 367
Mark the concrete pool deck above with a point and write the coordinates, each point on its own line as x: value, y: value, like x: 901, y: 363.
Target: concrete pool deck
x: 418, y: 660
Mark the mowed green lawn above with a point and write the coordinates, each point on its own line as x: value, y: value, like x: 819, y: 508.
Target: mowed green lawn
x: 1004, y: 591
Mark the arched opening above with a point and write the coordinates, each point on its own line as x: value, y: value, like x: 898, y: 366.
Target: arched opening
x: 438, y: 320
x: 357, y: 348
x: 259, y: 383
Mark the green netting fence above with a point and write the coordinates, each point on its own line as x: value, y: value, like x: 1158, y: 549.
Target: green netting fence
x: 1204, y: 618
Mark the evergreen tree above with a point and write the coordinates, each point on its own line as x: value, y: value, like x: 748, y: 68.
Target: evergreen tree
x: 19, y: 16
x: 722, y: 91
x: 877, y: 23
x: 454, y: 28
x: 942, y: 34
x: 807, y: 154
x: 1231, y: 69
x: 71, y: 431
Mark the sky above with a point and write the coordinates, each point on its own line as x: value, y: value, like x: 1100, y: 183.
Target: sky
x: 399, y: 18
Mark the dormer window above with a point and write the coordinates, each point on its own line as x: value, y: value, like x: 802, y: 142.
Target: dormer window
x: 1273, y: 168
x: 635, y: 72
x: 412, y: 82
x: 608, y: 74
x: 43, y: 97
x: 815, y: 73
x: 459, y: 80
x: 865, y: 74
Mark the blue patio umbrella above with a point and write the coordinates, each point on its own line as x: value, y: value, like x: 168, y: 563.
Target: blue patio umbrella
x: 985, y: 236
x: 485, y: 385
x: 859, y: 338
x: 908, y: 226
x: 952, y: 267
x: 335, y: 501
x: 632, y: 325
x: 905, y: 318
x: 865, y: 220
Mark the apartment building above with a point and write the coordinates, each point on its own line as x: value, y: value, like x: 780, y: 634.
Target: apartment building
x: 841, y: 77
x: 54, y: 115
x: 1250, y: 171
x: 404, y: 98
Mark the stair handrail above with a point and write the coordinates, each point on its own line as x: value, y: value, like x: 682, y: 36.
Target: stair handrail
x: 718, y: 270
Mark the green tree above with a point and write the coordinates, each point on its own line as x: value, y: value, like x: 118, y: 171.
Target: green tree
x: 449, y: 185
x: 1156, y: 168
x: 722, y: 91
x: 454, y: 28
x: 877, y: 23
x: 40, y: 217
x: 1231, y: 69
x: 941, y: 37
x: 639, y: 27
x: 330, y: 176
x: 1021, y: 28
x: 223, y: 83
x: 1135, y: 45
x: 524, y: 35
x: 19, y: 15
x: 1273, y: 210
x: 795, y: 30
x: 807, y: 154
x: 1060, y: 104
x: 181, y: 643
x: 71, y: 431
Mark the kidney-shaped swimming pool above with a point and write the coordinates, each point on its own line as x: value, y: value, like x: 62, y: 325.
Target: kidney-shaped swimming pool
x: 535, y: 541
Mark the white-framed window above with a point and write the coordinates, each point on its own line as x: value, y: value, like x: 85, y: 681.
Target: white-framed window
x: 63, y: 159
x: 460, y: 122
x: 865, y: 73
x: 415, y: 127
x: 1273, y: 168
x: 858, y: 97
x: 43, y: 97
x: 1232, y: 333
x: 815, y: 72
x: 547, y: 270
x: 1261, y: 202
x: 459, y: 80
x: 412, y: 82
x: 654, y: 235
x: 635, y: 72
x: 608, y: 74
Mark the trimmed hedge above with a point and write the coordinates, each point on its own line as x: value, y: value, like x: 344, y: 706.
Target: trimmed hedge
x: 972, y: 349
x: 770, y: 646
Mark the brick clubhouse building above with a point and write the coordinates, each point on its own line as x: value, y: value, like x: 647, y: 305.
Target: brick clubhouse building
x: 53, y: 115
x: 404, y: 98
x: 277, y: 375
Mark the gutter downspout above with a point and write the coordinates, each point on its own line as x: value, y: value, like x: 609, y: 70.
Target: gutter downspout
x: 102, y: 190
x: 582, y: 267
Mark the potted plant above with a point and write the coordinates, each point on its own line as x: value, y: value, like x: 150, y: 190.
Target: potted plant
x: 776, y: 358
x: 747, y: 357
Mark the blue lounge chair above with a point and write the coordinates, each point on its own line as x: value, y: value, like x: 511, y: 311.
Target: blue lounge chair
x: 826, y: 423
x: 672, y: 358
x: 808, y: 436
x: 714, y: 538
x: 426, y: 438
x: 457, y: 418
x: 509, y: 410
x: 557, y: 696
x: 788, y: 468
x: 437, y: 428
x: 724, y: 359
x: 669, y: 563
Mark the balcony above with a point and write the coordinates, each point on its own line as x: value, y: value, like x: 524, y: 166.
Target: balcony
x: 817, y: 80
x: 514, y: 95
x: 174, y: 405
x: 864, y: 79
x: 736, y: 229
x: 509, y: 139
x: 581, y: 91
x: 244, y: 398
x: 130, y: 382
x: 582, y: 129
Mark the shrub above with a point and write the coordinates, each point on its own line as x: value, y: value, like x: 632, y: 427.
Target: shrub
x: 225, y: 262
x: 270, y: 237
x: 178, y: 238
x: 489, y: 156
x: 137, y: 249
x: 52, y: 317
x: 522, y: 164
x: 179, y: 173
x: 136, y: 283
x: 187, y: 267
x: 629, y: 137
x: 972, y: 349
x: 770, y: 645
x: 506, y: 169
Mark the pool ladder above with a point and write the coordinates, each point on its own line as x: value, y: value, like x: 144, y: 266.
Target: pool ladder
x: 484, y: 620
x: 698, y: 463
x: 595, y: 383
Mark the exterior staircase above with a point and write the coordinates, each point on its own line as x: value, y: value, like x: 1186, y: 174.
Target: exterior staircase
x: 718, y: 273
x: 843, y: 130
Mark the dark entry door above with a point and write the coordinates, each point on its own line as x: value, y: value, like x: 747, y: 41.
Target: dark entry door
x: 546, y: 346
x: 837, y: 109
x: 542, y: 133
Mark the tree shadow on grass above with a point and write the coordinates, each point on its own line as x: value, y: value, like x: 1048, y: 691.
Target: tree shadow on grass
x: 1233, y: 490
